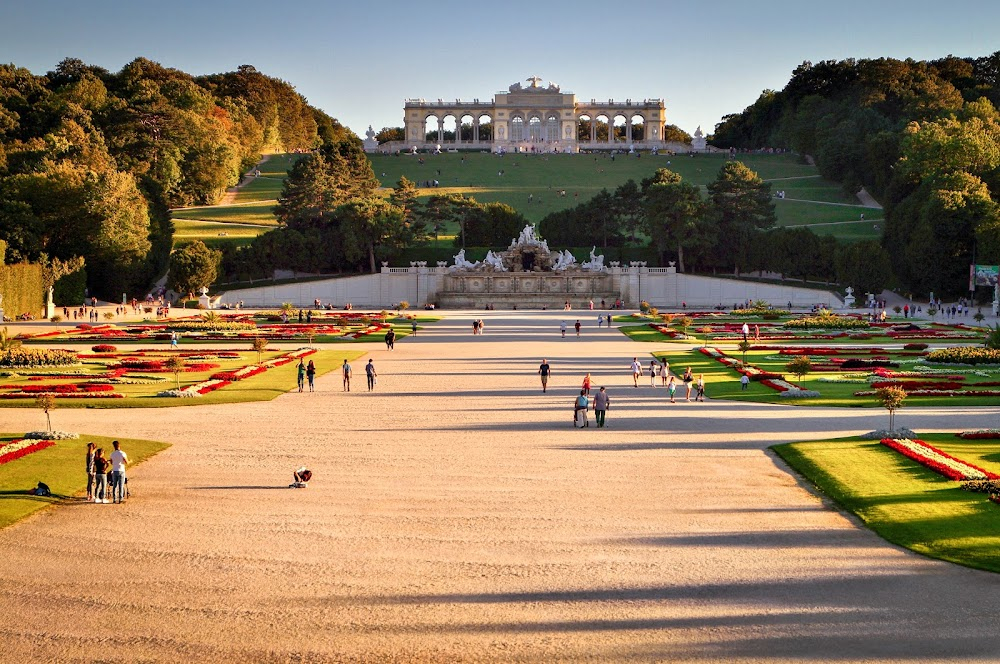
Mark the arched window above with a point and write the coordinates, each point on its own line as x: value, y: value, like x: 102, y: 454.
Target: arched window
x: 535, y: 129
x: 552, y: 128
x: 517, y: 128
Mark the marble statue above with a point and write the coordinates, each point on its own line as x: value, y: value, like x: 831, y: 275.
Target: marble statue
x: 564, y: 261
x: 698, y: 142
x: 370, y: 144
x: 596, y: 263
x: 461, y: 263
x: 494, y: 261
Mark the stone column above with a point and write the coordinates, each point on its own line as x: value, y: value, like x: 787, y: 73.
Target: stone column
x: 475, y: 129
x: 593, y: 129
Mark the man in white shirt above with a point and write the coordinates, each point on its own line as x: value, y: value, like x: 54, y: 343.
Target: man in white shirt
x: 118, y: 462
x: 636, y: 371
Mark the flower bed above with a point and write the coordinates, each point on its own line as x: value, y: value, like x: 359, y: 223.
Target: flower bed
x: 980, y: 434
x: 21, y: 447
x: 936, y: 460
x: 827, y: 321
x: 36, y: 357
x: 964, y: 355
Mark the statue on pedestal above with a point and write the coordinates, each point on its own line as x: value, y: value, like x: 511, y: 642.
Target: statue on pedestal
x: 370, y: 144
x: 596, y: 263
x: 494, y: 261
x: 461, y: 263
x: 698, y: 143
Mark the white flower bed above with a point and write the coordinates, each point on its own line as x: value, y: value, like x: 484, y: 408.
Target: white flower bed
x: 797, y: 393
x: 902, y: 432
x: 927, y: 452
x: 841, y: 379
x: 51, y: 435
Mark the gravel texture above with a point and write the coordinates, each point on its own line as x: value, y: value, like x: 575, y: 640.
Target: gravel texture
x: 456, y: 515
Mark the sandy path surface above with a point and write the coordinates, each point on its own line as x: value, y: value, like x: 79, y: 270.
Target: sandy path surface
x: 456, y: 515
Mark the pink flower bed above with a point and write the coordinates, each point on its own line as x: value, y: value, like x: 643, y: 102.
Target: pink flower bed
x: 21, y: 447
x: 940, y: 462
x: 981, y: 434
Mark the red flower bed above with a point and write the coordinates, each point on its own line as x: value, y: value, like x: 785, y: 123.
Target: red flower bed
x: 910, y: 385
x: 936, y: 466
x: 232, y: 375
x: 979, y: 435
x: 104, y: 348
x: 24, y: 451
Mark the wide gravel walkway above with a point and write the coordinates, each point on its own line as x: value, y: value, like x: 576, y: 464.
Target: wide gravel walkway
x: 456, y: 515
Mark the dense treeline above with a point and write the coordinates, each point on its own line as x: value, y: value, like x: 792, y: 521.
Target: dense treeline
x: 922, y: 137
x: 91, y: 161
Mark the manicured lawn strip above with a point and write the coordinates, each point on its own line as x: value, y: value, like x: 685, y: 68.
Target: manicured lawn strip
x: 904, y: 502
x: 62, y: 467
x: 262, y: 387
x: 261, y: 213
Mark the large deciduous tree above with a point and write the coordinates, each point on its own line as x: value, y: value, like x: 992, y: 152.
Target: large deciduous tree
x: 192, y: 266
x: 370, y: 224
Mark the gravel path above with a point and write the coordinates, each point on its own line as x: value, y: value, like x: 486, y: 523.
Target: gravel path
x: 456, y: 515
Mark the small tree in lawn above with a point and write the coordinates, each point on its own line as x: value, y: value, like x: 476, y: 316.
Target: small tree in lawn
x: 259, y: 344
x: 175, y: 363
x: 891, y: 398
x: 744, y: 346
x: 706, y: 332
x: 979, y: 317
x: 800, y: 366
x: 403, y: 305
x: 685, y: 322
x: 46, y: 402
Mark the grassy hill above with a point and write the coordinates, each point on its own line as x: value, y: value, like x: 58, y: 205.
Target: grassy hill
x: 533, y: 184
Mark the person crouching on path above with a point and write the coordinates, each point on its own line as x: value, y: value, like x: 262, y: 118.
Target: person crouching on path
x: 601, y: 403
x: 370, y: 372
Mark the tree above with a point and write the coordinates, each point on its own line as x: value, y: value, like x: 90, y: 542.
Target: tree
x: 799, y: 366
x: 175, y: 364
x: 259, y: 344
x: 744, y: 346
x: 741, y: 205
x: 387, y: 134
x: 491, y: 225
x: 891, y: 398
x: 367, y: 223
x: 193, y: 266
x: 47, y: 402
x: 7, y: 341
x: 674, y: 217
x: 684, y: 323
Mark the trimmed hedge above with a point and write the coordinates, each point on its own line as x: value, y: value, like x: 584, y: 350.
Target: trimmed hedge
x: 23, y: 290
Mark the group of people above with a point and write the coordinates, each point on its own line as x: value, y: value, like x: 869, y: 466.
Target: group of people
x: 668, y: 380
x: 306, y: 372
x: 477, y: 326
x: 106, y: 475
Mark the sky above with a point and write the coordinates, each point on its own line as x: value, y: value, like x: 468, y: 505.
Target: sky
x: 359, y: 61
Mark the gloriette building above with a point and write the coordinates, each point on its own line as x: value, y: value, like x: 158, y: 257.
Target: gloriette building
x: 534, y: 117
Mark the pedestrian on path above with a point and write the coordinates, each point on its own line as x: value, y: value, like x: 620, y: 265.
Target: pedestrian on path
x: 601, y: 403
x: 301, y: 371
x: 636, y: 371
x: 577, y: 326
x: 664, y: 372
x: 672, y: 387
x: 586, y: 384
x: 700, y: 396
x: 370, y: 372
x: 543, y: 370
x: 600, y: 320
x: 390, y: 339
x: 652, y: 372
x: 311, y: 375
x: 688, y: 380
x: 346, y: 369
x: 744, y: 382
x: 562, y: 328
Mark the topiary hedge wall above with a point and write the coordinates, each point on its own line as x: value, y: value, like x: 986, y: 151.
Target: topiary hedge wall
x: 22, y: 289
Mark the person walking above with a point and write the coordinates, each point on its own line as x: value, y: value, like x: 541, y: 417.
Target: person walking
x: 664, y: 372
x: 609, y: 321
x: 91, y: 472
x: 653, y: 366
x: 601, y: 403
x: 580, y: 406
x: 744, y: 382
x: 413, y: 327
x: 370, y: 372
x: 586, y: 384
x: 636, y: 371
x: 101, y: 466
x: 600, y: 320
x: 390, y: 339
x: 700, y: 396
x: 301, y: 370
x: 562, y: 328
x: 544, y: 370
x: 688, y: 380
x: 577, y: 326
x: 311, y: 375
x: 346, y: 370
x: 118, y: 462
x: 746, y: 331
x: 672, y: 387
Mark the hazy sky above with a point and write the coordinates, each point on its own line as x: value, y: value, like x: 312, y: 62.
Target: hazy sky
x: 359, y: 61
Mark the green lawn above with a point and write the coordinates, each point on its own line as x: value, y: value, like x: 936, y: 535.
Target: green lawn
x: 904, y: 502
x: 214, y: 233
x: 260, y: 214
x: 262, y: 387
x: 61, y: 467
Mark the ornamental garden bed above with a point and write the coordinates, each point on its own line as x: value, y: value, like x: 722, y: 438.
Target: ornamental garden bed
x: 59, y: 465
x: 142, y: 377
x: 904, y: 501
x: 843, y: 377
x: 721, y: 329
x: 328, y: 327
